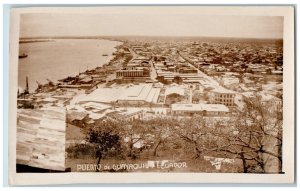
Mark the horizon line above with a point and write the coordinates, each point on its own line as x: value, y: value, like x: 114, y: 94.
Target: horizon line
x: 170, y: 36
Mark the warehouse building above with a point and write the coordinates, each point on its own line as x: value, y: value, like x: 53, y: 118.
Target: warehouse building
x: 124, y: 95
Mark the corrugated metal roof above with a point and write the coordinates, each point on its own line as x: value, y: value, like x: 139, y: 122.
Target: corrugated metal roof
x: 41, y: 138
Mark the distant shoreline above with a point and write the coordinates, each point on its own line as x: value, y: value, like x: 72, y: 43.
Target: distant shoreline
x: 122, y: 39
x: 151, y: 37
x: 34, y: 41
x: 50, y: 39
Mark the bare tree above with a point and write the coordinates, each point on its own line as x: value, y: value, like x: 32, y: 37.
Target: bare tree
x: 160, y: 129
x: 134, y: 134
x: 258, y: 134
x: 254, y: 135
x: 195, y: 132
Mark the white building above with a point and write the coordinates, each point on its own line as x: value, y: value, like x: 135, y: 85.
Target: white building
x: 271, y: 102
x: 201, y: 108
x: 129, y: 95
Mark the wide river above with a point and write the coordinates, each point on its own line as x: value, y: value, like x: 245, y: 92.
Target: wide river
x: 60, y: 58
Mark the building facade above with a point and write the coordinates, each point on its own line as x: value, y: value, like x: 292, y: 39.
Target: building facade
x: 224, y: 98
x: 200, y: 109
x: 130, y: 73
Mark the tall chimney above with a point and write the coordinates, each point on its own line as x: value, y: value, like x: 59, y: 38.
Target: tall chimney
x: 27, y: 86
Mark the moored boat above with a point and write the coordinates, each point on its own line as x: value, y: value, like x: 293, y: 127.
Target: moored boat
x: 23, y: 55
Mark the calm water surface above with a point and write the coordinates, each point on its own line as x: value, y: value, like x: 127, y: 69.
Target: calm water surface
x: 61, y: 58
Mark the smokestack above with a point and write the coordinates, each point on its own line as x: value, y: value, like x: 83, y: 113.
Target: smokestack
x: 27, y: 86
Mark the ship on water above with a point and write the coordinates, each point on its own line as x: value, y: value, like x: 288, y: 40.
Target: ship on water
x: 23, y: 56
x: 104, y: 54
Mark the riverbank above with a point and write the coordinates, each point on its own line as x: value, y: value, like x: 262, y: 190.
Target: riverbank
x: 62, y: 91
x: 62, y: 58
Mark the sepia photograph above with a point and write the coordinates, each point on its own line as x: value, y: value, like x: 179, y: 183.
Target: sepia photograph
x: 168, y: 90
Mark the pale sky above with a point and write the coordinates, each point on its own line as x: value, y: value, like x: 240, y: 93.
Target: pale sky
x: 47, y: 24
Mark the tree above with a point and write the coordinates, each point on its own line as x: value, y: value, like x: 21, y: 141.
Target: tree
x: 254, y: 136
x: 105, y: 135
x: 134, y: 133
x: 258, y: 136
x: 194, y: 132
x: 178, y: 80
x: 162, y: 79
x: 160, y: 129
